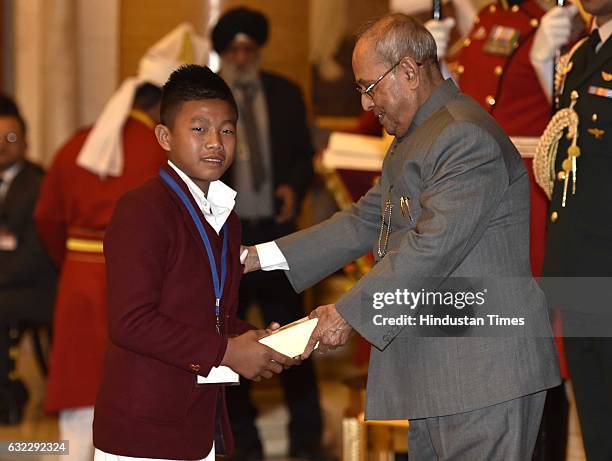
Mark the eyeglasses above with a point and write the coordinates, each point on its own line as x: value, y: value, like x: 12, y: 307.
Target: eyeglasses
x: 10, y: 138
x: 370, y: 88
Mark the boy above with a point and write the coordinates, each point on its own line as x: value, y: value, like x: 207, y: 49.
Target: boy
x: 173, y: 268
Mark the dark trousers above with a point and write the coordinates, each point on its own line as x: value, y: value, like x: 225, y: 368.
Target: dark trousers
x: 551, y: 444
x: 279, y: 303
x: 590, y: 366
x: 13, y: 394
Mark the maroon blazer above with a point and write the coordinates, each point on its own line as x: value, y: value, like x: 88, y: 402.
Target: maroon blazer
x: 162, y: 329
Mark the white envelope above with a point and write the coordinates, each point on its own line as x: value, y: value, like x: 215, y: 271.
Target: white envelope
x: 291, y: 340
x: 220, y: 375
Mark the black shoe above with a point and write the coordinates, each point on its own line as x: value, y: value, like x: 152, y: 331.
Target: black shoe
x: 11, y: 410
x: 246, y: 455
x: 311, y: 454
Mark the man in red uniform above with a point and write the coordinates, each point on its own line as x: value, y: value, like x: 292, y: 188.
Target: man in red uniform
x: 88, y: 175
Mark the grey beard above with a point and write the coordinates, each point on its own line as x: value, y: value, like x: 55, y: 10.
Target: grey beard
x: 234, y: 76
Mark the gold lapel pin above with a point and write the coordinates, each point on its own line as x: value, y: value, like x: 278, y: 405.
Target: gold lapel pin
x: 405, y: 207
x: 606, y: 76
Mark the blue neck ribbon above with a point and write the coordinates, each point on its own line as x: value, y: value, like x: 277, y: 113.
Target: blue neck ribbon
x: 218, y: 283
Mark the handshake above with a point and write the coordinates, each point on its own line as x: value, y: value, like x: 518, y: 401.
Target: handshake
x: 253, y: 360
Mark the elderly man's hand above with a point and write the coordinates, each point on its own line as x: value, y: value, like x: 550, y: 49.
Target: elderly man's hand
x: 332, y: 330
x: 249, y: 258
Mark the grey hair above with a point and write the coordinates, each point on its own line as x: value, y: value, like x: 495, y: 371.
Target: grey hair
x: 397, y: 35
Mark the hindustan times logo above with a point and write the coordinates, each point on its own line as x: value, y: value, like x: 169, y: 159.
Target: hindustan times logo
x: 413, y: 299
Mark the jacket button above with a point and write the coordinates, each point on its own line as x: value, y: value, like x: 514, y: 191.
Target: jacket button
x: 554, y: 216
x: 194, y: 367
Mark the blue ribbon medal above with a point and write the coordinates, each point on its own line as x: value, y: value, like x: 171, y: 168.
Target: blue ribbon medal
x: 218, y: 283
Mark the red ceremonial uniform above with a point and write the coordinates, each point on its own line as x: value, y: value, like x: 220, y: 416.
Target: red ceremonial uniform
x: 73, y: 210
x: 494, y: 68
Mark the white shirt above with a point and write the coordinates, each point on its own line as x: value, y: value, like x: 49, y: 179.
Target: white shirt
x: 604, y: 33
x: 7, y: 178
x: 271, y: 257
x: 217, y: 206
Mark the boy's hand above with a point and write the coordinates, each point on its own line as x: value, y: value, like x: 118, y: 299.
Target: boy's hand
x: 269, y: 330
x: 251, y: 359
x: 272, y: 327
x: 249, y: 258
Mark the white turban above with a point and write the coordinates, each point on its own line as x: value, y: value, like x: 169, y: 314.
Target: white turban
x: 102, y: 153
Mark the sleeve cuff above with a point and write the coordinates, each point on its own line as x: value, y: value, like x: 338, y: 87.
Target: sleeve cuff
x: 220, y: 352
x: 271, y: 257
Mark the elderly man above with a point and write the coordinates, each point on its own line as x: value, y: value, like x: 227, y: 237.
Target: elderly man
x: 452, y: 202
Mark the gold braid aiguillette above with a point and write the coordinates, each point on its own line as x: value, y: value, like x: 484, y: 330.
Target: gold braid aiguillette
x: 546, y: 151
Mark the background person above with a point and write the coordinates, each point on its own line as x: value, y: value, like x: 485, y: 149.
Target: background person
x: 27, y: 275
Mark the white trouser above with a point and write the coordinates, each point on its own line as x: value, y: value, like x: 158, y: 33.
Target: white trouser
x: 75, y: 425
x: 102, y: 456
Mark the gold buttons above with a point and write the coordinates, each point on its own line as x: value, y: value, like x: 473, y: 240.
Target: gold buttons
x: 194, y: 367
x: 515, y: 8
x: 460, y: 69
x: 554, y: 216
x: 490, y: 100
x: 498, y: 70
x: 561, y: 176
x: 534, y: 23
x: 594, y: 117
x: 492, y: 9
x: 467, y: 42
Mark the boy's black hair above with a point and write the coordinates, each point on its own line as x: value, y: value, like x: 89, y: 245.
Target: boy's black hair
x: 192, y: 83
x: 8, y: 108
